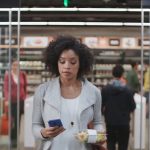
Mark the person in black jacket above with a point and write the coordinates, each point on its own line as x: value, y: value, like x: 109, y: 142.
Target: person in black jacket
x: 117, y: 104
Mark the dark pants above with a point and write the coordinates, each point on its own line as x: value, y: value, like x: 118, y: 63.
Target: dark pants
x: 117, y: 135
x: 147, y: 95
x: 14, y: 121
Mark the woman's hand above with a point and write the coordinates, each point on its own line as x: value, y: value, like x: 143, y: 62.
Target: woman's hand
x: 51, y: 131
x: 100, y: 145
x: 101, y: 140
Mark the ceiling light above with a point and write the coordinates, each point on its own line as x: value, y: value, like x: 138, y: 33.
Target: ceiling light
x: 136, y: 24
x: 79, y: 9
x: 67, y: 23
x: 138, y: 9
x: 23, y: 23
x: 53, y: 9
x: 77, y: 24
x: 4, y: 9
x: 103, y: 9
x: 104, y: 23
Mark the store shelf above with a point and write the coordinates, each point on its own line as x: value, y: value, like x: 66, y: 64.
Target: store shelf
x: 105, y: 55
x: 30, y: 62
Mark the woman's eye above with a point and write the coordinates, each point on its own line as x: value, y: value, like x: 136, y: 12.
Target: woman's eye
x: 64, y: 61
x: 73, y: 62
x: 61, y: 61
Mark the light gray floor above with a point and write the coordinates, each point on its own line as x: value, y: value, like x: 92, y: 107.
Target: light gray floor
x: 4, y: 140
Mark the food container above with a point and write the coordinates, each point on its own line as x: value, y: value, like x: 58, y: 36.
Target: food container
x: 91, y: 136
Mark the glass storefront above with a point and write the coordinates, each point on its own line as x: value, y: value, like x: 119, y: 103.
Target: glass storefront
x: 23, y: 40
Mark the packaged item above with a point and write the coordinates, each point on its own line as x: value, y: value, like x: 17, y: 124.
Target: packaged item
x: 91, y: 136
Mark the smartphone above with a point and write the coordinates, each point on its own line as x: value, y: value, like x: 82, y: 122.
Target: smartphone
x: 55, y: 122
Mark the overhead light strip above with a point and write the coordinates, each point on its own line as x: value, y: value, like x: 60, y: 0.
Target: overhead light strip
x: 104, y: 23
x: 4, y: 9
x: 25, y: 23
x: 136, y: 24
x: 102, y: 9
x: 76, y: 24
x: 80, y: 9
x: 67, y: 23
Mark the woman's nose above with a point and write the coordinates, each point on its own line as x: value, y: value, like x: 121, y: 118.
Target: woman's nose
x: 67, y: 65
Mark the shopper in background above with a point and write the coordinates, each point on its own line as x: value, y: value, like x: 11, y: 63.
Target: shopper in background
x: 68, y: 96
x: 117, y: 104
x: 132, y: 78
x: 147, y: 86
x: 13, y: 96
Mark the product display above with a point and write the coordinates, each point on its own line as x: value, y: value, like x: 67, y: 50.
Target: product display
x: 105, y: 59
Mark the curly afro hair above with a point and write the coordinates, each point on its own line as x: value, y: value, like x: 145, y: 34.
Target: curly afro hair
x: 63, y: 43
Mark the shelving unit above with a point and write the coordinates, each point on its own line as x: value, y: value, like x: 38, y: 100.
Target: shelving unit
x: 106, y: 59
x: 106, y: 53
x: 30, y: 62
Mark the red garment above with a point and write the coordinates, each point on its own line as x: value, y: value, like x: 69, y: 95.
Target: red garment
x: 23, y: 87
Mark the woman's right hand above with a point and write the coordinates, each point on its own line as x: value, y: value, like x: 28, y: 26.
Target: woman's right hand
x: 51, y: 132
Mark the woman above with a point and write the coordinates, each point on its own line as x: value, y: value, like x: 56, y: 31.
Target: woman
x: 67, y: 96
x: 23, y: 93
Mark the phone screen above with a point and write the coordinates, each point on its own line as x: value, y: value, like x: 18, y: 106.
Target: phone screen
x: 55, y: 122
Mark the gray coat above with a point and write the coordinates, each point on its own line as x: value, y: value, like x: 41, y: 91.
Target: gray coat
x: 47, y: 105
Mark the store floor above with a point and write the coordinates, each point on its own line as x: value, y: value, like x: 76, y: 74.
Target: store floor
x: 4, y: 140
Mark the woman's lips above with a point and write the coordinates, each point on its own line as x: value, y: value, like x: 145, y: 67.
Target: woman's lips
x: 66, y: 72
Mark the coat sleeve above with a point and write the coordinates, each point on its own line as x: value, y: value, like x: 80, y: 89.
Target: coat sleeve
x: 37, y: 120
x: 98, y: 121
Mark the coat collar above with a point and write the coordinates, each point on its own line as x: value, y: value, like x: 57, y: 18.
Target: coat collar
x: 53, y: 95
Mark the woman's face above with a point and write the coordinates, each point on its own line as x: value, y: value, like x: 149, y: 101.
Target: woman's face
x: 68, y: 64
x: 15, y: 65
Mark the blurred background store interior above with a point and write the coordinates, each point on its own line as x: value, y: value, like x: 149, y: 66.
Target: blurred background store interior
x: 117, y: 31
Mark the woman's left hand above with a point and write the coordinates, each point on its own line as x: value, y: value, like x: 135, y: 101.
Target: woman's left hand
x: 100, y: 145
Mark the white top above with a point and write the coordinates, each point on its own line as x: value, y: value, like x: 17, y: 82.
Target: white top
x: 49, y: 96
x: 15, y: 77
x: 67, y: 139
